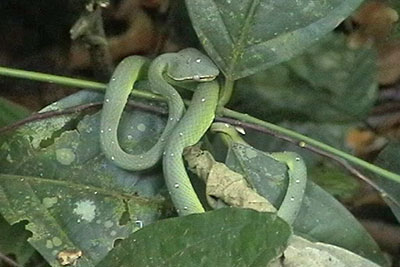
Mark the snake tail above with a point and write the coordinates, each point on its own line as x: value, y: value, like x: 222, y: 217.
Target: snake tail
x: 297, y: 173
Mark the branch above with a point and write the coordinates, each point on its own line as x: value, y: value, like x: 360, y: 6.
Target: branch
x: 244, y: 120
x: 70, y: 82
x: 8, y: 260
x: 353, y: 171
x: 164, y: 112
x: 76, y: 109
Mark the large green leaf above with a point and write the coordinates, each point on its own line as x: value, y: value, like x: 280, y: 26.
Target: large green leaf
x: 244, y: 37
x: 323, y: 93
x: 225, y: 237
x: 330, y: 78
x: 321, y: 217
x: 54, y: 176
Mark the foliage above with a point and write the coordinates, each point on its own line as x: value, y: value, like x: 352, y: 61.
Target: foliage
x: 56, y: 178
x: 232, y: 233
x: 321, y: 217
x: 11, y: 112
x: 251, y: 35
x: 60, y: 195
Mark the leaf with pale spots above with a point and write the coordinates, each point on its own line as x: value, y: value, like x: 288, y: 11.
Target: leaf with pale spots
x: 55, y: 178
x: 321, y: 216
x: 251, y: 35
x: 225, y: 237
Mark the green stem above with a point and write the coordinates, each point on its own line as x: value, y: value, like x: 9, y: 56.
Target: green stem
x: 226, y: 94
x: 224, y: 112
x: 307, y: 140
x: 70, y: 82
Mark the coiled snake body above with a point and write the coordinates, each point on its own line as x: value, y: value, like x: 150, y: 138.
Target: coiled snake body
x: 183, y: 68
x: 192, y: 70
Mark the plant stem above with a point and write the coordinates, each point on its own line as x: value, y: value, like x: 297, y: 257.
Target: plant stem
x: 70, y: 82
x: 224, y: 112
x: 225, y: 94
x: 344, y: 163
x: 8, y: 261
x: 77, y: 109
x: 307, y: 140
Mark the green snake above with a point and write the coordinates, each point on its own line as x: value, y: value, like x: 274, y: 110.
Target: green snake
x: 183, y: 69
x: 297, y: 173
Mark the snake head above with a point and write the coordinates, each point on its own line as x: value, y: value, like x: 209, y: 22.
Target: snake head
x: 192, y: 65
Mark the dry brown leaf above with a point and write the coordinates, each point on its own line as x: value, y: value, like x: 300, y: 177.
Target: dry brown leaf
x: 376, y: 19
x: 233, y: 189
x: 363, y: 142
x: 140, y: 38
x: 388, y: 63
x: 224, y: 184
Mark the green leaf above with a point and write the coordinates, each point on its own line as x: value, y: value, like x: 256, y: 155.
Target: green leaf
x: 18, y: 247
x: 225, y: 237
x: 55, y: 177
x: 11, y: 112
x: 330, y: 78
x: 244, y: 37
x: 321, y: 217
x: 335, y: 182
x: 341, y: 78
x: 322, y: 94
x: 389, y: 158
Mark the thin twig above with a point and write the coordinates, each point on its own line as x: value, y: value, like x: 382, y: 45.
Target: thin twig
x: 162, y: 111
x: 352, y: 170
x: 48, y: 114
x: 8, y: 260
x: 77, y: 109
